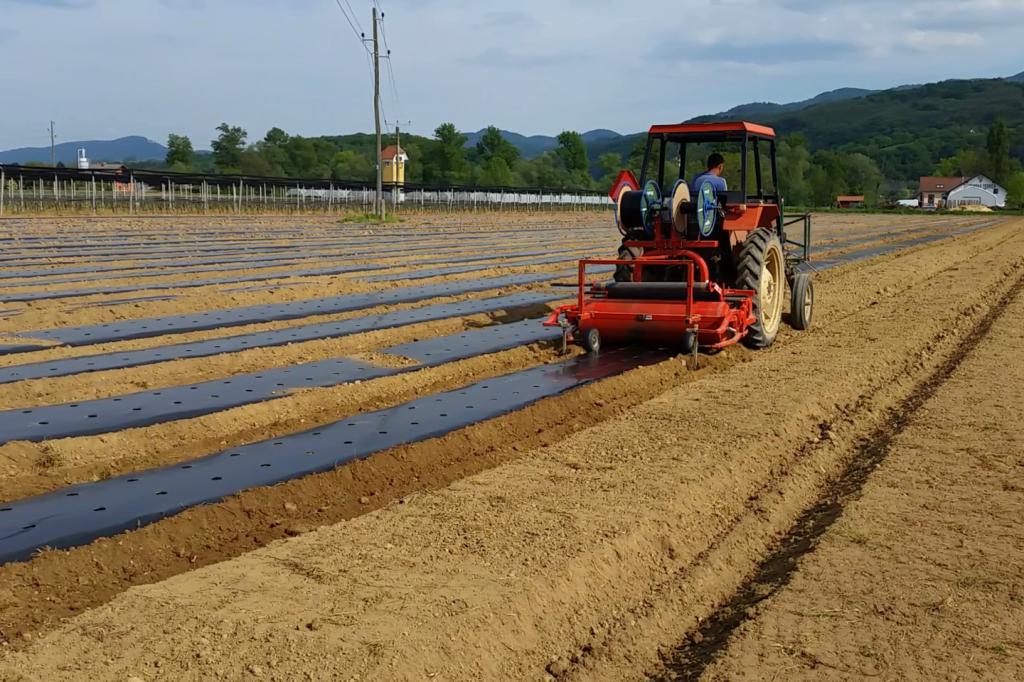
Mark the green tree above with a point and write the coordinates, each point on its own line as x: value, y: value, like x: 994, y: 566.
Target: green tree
x: 350, y: 165
x: 862, y: 177
x: 610, y: 165
x: 1015, y: 190
x: 998, y: 147
x: 251, y: 162
x: 179, y: 152
x: 636, y: 156
x: 493, y: 145
x: 965, y: 162
x: 446, y: 160
x: 546, y: 171
x: 794, y: 161
x: 827, y: 178
x: 228, y: 147
x: 572, y: 152
x: 495, y: 173
x: 273, y: 149
x: 303, y: 160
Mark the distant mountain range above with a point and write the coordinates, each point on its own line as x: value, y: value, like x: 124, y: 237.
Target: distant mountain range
x: 535, y: 145
x: 828, y: 108
x: 131, y: 148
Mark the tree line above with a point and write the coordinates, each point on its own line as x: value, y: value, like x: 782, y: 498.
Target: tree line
x: 443, y: 159
x: 806, y: 177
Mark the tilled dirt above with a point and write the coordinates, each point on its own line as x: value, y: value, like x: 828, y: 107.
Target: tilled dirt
x: 623, y: 514
x: 922, y: 577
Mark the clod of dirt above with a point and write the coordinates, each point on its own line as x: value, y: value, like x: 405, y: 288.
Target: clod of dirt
x: 290, y: 507
x: 364, y: 500
x: 558, y: 666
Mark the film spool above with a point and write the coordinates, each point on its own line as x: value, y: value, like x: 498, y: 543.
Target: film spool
x: 618, y: 208
x: 707, y: 209
x: 633, y: 210
x: 680, y: 204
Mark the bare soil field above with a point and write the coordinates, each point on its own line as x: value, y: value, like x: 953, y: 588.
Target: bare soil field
x: 613, y: 531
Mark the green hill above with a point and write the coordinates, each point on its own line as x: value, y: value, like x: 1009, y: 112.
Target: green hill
x: 905, y: 130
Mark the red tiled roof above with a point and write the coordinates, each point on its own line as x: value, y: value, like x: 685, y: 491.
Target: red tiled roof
x: 391, y: 151
x: 931, y: 183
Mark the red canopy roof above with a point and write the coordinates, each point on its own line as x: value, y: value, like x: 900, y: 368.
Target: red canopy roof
x: 716, y: 127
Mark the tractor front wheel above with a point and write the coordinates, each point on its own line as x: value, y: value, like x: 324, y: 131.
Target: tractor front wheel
x: 762, y: 267
x: 624, y: 273
x: 802, y: 301
x: 592, y: 340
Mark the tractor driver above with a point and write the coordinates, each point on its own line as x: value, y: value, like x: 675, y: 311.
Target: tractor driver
x: 716, y: 166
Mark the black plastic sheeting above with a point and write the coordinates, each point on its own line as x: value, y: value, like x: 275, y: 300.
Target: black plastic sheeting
x: 458, y: 269
x: 80, y: 514
x: 273, y: 312
x: 193, y: 283
x: 261, y: 265
x: 438, y: 350
x: 881, y: 249
x: 216, y: 263
x: 134, y: 410
x: 11, y: 348
x: 182, y: 284
x: 123, y: 301
x: 251, y: 245
x: 230, y: 344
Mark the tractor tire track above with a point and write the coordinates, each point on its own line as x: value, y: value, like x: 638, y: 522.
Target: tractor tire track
x: 702, y: 647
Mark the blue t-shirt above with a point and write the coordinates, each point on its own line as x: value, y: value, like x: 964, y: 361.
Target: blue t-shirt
x: 717, y: 181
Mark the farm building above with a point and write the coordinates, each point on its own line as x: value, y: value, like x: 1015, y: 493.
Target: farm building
x: 850, y: 201
x: 394, y: 159
x: 939, y: 192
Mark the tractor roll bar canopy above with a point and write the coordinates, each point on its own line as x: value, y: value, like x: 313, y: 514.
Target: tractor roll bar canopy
x: 748, y: 135
x: 709, y: 130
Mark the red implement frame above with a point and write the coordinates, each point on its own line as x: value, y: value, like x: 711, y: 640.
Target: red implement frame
x: 719, y: 318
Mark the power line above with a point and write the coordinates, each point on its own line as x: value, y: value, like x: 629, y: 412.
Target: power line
x: 357, y: 32
x: 394, y: 86
x: 383, y: 31
x: 391, y: 70
x: 355, y: 18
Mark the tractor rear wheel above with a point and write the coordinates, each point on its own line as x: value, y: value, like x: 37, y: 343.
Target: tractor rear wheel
x: 762, y: 267
x: 624, y: 273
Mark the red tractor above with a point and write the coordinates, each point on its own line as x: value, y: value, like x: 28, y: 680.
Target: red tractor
x: 697, y: 268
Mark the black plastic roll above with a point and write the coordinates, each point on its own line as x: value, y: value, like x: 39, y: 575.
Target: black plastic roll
x: 633, y: 210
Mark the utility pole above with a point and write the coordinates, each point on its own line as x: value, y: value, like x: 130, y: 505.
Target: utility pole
x: 378, y: 202
x: 53, y: 146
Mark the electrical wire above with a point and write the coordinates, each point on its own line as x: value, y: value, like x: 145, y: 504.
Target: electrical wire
x: 358, y: 34
x: 391, y: 70
x: 355, y: 17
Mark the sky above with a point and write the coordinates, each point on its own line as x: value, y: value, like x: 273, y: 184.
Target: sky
x: 109, y: 68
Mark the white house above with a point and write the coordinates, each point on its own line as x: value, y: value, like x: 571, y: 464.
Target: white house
x: 936, y: 192
x: 979, y: 190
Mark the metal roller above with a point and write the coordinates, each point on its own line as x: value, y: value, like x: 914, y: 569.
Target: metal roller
x: 648, y: 290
